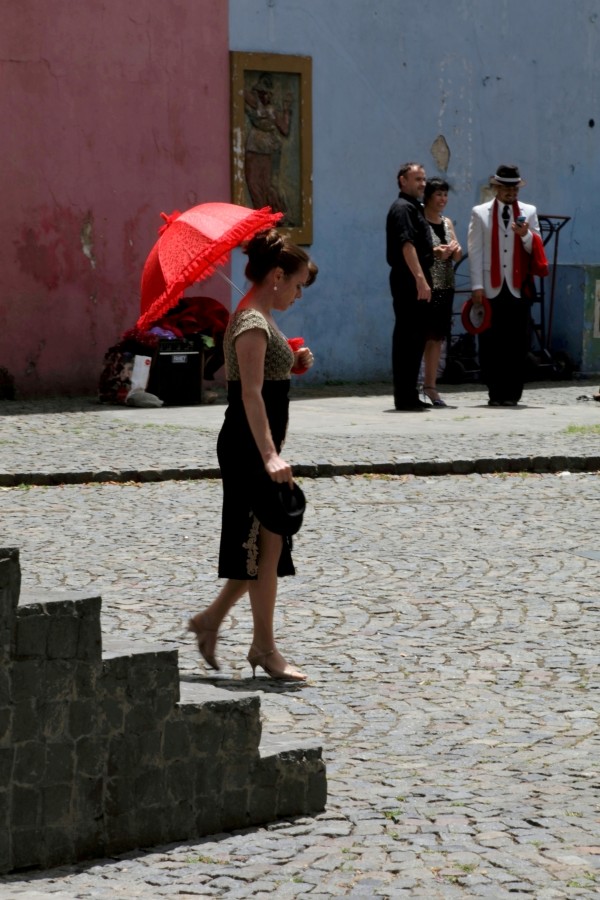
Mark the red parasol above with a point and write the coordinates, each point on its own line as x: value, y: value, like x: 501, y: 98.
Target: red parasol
x: 190, y: 247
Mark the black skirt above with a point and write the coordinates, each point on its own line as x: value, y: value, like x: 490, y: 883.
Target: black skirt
x: 439, y: 314
x: 240, y: 464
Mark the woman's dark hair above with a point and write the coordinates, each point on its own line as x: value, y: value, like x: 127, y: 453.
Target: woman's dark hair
x: 269, y: 250
x: 433, y: 185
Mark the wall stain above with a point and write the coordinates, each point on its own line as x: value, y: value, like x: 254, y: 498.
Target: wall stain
x: 48, y: 248
x: 87, y: 239
x: 32, y: 363
x: 440, y: 152
x: 38, y: 260
x: 133, y: 262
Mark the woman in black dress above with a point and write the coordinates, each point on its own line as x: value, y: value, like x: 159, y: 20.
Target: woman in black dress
x: 258, y: 362
x: 446, y: 252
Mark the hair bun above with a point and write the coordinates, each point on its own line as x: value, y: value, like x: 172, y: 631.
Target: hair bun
x: 268, y: 250
x: 272, y: 242
x: 264, y: 242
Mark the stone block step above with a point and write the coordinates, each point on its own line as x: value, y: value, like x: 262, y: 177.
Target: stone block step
x: 103, y: 749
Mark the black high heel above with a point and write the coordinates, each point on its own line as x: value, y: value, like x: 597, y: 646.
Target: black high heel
x: 436, y: 400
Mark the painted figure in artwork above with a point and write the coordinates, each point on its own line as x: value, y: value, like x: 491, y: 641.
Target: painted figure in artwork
x: 269, y: 125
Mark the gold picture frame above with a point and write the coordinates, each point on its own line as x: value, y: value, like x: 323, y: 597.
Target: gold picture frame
x: 271, y: 125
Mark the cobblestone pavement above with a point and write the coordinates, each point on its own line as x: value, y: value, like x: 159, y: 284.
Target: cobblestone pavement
x: 450, y: 628
x: 331, y: 430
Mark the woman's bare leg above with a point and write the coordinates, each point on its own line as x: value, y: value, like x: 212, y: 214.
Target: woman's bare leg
x: 263, y: 595
x: 431, y: 359
x: 206, y: 624
x: 232, y: 591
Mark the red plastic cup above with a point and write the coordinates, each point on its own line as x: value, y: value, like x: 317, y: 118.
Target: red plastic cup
x: 296, y: 343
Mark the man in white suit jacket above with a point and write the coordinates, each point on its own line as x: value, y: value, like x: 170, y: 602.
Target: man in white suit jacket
x: 500, y: 241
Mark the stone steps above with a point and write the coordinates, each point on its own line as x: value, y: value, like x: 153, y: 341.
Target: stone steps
x: 103, y: 749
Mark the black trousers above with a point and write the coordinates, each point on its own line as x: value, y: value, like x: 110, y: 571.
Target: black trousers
x: 503, y: 347
x: 408, y: 342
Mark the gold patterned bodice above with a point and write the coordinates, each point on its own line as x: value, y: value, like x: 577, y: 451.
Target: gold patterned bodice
x: 279, y: 357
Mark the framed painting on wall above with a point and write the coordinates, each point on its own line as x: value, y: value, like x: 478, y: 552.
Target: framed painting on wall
x: 271, y: 121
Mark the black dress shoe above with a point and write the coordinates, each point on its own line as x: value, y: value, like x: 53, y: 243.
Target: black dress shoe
x: 413, y: 406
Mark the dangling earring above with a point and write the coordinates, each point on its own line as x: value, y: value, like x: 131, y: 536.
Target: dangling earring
x: 274, y: 287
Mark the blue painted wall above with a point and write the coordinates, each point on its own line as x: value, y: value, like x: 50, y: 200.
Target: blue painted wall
x: 577, y: 321
x: 501, y: 80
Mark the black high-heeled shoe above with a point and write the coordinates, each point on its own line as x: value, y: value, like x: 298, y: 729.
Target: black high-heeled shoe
x: 206, y: 642
x: 258, y: 658
x: 436, y: 400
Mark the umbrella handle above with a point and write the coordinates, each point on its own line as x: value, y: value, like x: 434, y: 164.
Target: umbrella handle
x: 230, y: 282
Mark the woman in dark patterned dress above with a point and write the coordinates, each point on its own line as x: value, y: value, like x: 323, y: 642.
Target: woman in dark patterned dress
x: 258, y: 362
x: 446, y: 251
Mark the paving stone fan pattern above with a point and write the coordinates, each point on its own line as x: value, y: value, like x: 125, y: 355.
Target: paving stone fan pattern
x: 449, y: 626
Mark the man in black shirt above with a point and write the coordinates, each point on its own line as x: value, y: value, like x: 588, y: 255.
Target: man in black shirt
x: 410, y: 255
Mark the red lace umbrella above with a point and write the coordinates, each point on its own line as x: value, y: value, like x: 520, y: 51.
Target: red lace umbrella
x: 190, y: 247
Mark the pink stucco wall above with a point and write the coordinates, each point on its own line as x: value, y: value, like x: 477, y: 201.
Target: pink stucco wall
x: 113, y: 110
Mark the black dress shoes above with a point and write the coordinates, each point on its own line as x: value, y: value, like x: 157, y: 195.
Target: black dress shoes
x: 413, y: 406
